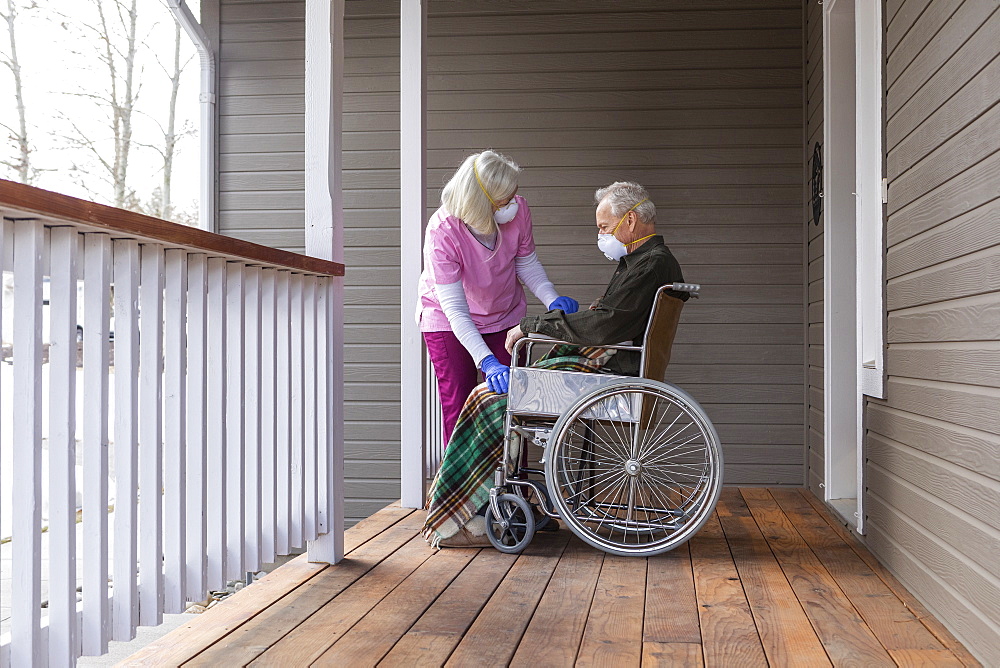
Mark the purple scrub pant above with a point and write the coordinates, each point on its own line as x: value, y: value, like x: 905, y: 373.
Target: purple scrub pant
x: 456, y: 373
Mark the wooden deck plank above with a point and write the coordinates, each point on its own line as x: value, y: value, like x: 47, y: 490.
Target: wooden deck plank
x: 372, y: 526
x: 494, y: 636
x: 376, y: 633
x: 926, y: 658
x: 895, y: 626
x: 670, y: 654
x: 929, y: 621
x: 844, y: 634
x: 785, y: 632
x: 771, y: 577
x: 308, y: 640
x: 671, y: 606
x: 254, y: 637
x: 433, y: 637
x: 191, y: 638
x: 729, y: 634
x: 554, y: 633
x: 613, y: 636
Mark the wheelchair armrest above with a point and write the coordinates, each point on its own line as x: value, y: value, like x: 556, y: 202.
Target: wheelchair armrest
x: 541, y: 338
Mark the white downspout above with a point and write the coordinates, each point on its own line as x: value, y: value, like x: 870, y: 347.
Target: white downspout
x: 182, y: 13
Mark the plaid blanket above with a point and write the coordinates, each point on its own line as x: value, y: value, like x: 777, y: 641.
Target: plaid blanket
x: 462, y: 484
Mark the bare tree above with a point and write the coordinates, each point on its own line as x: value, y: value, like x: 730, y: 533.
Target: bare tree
x: 170, y: 134
x: 121, y: 105
x: 117, y: 51
x: 19, y: 135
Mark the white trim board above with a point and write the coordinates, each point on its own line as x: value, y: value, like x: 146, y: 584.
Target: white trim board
x: 412, y: 220
x: 853, y: 241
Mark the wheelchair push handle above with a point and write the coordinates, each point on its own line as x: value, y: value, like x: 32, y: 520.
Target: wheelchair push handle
x: 690, y: 288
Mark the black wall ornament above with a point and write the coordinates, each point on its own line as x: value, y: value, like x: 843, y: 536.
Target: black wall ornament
x: 816, y: 183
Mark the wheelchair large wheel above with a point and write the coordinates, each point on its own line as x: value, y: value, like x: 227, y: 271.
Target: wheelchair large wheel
x: 634, y: 468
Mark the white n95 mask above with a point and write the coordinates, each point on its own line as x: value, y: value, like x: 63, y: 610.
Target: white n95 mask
x: 506, y: 213
x: 612, y: 248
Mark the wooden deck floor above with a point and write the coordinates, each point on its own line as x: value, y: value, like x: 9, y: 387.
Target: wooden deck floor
x: 771, y: 580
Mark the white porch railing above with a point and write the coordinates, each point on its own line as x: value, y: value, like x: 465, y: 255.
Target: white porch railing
x: 207, y: 432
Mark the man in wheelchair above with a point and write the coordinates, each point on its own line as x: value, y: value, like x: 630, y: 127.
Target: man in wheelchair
x: 626, y: 219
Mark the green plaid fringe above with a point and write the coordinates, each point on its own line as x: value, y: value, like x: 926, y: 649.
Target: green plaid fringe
x: 462, y: 484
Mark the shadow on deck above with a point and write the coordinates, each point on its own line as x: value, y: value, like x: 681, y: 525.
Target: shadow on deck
x: 772, y: 579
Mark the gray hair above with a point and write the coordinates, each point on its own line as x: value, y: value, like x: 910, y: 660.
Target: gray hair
x: 623, y: 195
x: 464, y: 198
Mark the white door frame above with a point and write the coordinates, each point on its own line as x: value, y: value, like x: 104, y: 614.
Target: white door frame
x: 853, y: 246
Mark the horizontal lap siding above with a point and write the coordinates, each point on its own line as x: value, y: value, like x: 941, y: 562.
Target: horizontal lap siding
x: 261, y: 180
x: 702, y: 104
x: 933, y: 469
x: 814, y: 253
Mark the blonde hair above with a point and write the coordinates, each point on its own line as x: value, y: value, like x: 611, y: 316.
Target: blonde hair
x: 481, y: 179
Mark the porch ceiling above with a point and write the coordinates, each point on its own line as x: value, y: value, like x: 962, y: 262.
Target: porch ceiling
x: 772, y: 579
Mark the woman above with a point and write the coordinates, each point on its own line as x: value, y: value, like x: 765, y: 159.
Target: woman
x: 478, y: 249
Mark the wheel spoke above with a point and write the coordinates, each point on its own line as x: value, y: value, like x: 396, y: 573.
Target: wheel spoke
x: 639, y: 484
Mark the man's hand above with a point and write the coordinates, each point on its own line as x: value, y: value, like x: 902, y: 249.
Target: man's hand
x: 513, y: 335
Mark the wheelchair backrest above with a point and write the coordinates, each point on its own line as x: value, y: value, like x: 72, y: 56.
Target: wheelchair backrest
x: 660, y: 334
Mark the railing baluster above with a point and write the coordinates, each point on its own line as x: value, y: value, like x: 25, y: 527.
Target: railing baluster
x: 234, y: 420
x: 125, y: 605
x: 6, y: 247
x: 197, y: 333
x: 252, y: 454
x: 298, y: 413
x: 151, y: 435
x: 63, y: 637
x: 26, y: 575
x: 97, y: 272
x: 268, y: 426
x: 283, y: 411
x: 215, y: 410
x: 322, y: 405
x: 309, y: 386
x: 174, y: 429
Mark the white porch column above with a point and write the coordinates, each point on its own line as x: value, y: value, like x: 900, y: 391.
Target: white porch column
x: 324, y: 228
x: 412, y: 219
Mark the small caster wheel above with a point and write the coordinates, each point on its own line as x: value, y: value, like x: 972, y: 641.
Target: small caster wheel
x: 513, y: 530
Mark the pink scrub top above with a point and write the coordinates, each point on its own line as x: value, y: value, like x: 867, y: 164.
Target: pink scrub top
x: 451, y: 253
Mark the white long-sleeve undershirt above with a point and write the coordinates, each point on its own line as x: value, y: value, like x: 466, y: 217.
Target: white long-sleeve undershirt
x: 451, y: 296
x: 531, y: 272
x: 453, y: 302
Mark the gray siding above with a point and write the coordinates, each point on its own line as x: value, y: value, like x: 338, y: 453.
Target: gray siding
x: 701, y: 102
x: 261, y: 182
x: 261, y: 122
x: 933, y: 469
x: 814, y: 253
x: 704, y: 108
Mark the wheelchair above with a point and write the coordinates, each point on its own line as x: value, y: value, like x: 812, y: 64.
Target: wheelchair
x: 632, y: 465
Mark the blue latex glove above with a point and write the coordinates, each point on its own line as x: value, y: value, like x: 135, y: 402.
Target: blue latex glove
x: 566, y: 304
x: 497, y: 374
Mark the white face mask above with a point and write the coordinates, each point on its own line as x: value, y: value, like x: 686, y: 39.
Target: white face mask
x: 612, y: 248
x: 506, y: 213
x: 609, y: 244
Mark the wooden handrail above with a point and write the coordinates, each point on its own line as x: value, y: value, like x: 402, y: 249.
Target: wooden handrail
x: 55, y: 206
